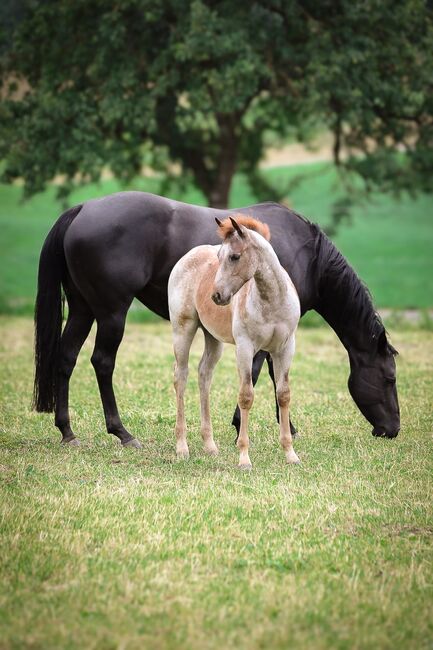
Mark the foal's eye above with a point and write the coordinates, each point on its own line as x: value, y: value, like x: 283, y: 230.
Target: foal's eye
x: 234, y: 258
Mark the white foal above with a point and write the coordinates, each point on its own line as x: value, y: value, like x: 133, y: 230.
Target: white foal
x: 237, y: 293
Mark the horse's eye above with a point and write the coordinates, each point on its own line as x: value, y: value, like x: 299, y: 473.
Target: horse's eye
x: 390, y: 380
x: 234, y: 258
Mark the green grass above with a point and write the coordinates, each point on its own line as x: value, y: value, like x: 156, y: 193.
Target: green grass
x: 389, y: 242
x: 105, y: 548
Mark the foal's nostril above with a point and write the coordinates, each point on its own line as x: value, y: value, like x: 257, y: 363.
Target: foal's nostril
x: 216, y: 297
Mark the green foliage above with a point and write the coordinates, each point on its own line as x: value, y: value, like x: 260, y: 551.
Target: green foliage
x: 108, y: 548
x: 201, y: 84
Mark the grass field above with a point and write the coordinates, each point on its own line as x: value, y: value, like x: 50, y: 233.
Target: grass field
x: 389, y: 242
x: 106, y: 548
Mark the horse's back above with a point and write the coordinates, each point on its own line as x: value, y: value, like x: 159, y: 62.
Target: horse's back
x: 126, y: 245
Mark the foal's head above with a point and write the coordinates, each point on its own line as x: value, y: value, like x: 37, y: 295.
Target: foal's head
x: 238, y: 257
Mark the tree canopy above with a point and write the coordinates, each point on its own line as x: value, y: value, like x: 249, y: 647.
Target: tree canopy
x: 200, y: 83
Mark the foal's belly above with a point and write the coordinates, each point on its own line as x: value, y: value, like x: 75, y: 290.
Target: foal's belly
x: 217, y: 320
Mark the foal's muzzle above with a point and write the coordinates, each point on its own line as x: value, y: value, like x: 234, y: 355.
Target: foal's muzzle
x: 219, y: 300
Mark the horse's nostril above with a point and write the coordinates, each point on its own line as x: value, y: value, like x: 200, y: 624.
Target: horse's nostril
x: 216, y: 297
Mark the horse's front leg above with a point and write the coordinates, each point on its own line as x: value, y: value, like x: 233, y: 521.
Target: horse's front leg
x: 244, y: 356
x: 282, y: 363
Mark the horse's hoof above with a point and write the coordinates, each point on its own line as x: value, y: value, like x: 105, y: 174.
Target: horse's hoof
x: 72, y: 442
x: 136, y: 444
x: 182, y: 455
x: 246, y: 468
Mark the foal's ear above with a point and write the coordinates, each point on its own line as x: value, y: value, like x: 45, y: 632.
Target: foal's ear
x: 219, y: 223
x: 237, y: 227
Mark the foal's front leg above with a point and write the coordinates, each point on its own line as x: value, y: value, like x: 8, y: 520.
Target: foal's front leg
x: 282, y: 363
x: 244, y: 356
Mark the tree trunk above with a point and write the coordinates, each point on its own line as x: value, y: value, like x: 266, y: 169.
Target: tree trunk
x: 219, y: 191
x: 218, y: 196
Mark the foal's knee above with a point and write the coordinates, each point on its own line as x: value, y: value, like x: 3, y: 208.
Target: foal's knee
x: 283, y: 397
x: 246, y: 397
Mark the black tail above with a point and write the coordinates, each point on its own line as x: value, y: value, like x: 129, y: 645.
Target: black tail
x: 49, y: 313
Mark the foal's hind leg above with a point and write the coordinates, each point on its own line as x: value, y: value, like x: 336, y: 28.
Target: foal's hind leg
x: 76, y: 330
x: 108, y: 337
x: 183, y: 335
x: 211, y: 355
x: 293, y: 430
x: 281, y: 368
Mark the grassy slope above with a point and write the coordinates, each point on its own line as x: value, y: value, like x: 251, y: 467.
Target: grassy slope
x: 389, y: 243
x: 108, y: 548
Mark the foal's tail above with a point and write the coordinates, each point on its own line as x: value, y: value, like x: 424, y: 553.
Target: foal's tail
x: 49, y: 313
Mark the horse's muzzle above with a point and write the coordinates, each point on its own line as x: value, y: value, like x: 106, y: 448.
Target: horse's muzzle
x: 380, y: 432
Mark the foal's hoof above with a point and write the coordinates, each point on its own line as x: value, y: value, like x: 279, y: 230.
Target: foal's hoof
x: 292, y: 458
x: 136, y: 444
x: 71, y: 442
x: 211, y: 451
x: 182, y: 453
x: 245, y: 468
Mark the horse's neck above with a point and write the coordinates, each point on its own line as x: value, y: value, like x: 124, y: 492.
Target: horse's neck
x: 345, y: 304
x: 347, y: 329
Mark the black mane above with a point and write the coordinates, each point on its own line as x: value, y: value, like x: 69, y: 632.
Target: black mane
x: 340, y: 288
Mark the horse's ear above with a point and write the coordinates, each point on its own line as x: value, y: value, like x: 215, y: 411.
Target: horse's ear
x: 237, y: 227
x: 219, y: 223
x: 382, y: 342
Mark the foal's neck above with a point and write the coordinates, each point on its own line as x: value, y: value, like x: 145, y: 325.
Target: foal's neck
x: 270, y: 278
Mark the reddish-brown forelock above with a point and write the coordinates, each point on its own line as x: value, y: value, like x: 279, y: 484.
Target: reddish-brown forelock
x: 226, y: 228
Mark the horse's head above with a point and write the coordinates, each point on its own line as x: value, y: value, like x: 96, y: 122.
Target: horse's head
x: 372, y: 384
x: 238, y: 256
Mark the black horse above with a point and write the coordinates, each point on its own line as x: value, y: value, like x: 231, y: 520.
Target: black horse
x: 107, y: 251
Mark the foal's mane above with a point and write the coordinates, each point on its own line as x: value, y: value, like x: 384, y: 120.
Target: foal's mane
x: 339, y: 284
x: 226, y: 229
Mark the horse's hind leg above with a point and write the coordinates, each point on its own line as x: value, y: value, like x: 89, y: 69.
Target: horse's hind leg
x: 75, y: 332
x: 108, y: 338
x: 183, y: 334
x: 211, y: 355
